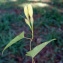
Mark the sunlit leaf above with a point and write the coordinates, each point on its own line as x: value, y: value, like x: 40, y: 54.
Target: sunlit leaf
x: 37, y: 49
x: 31, y: 19
x: 17, y: 38
x: 30, y: 10
x: 26, y: 12
x: 28, y: 23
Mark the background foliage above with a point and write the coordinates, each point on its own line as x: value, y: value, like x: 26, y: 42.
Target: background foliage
x: 48, y: 24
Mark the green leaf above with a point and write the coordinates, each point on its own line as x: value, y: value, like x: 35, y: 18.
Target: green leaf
x: 37, y: 49
x: 17, y: 38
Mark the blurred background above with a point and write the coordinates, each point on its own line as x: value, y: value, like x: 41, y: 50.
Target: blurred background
x: 48, y: 24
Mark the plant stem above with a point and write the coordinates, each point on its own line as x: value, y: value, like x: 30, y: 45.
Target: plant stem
x: 32, y: 60
x: 27, y: 38
x: 30, y: 44
x: 32, y: 34
x: 31, y: 47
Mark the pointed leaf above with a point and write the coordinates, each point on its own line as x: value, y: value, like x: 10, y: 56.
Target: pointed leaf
x: 28, y: 23
x: 30, y: 10
x: 37, y: 49
x: 31, y: 19
x: 26, y: 11
x: 17, y: 38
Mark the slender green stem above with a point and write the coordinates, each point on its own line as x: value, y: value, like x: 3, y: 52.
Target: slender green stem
x: 30, y: 44
x: 32, y: 60
x: 32, y: 32
x: 31, y: 41
x: 27, y: 38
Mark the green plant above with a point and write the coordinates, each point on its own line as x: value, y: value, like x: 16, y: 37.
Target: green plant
x: 29, y: 21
